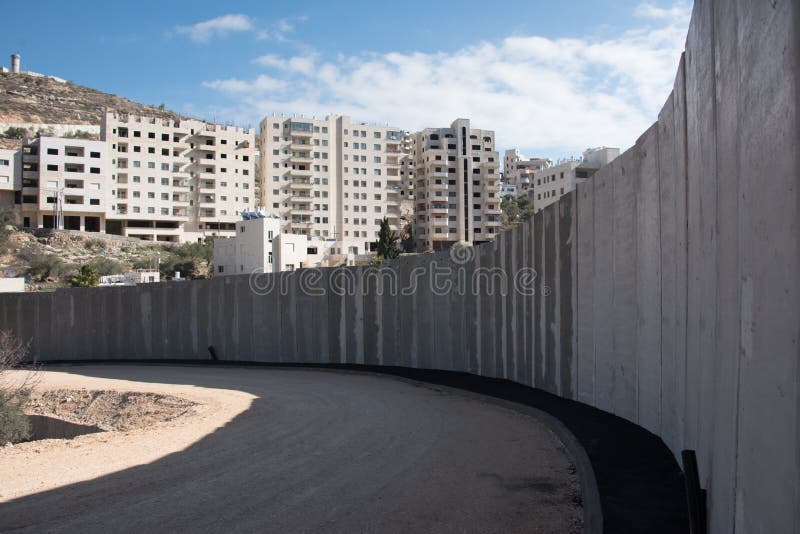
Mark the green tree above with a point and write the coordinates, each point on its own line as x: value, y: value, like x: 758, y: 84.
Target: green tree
x: 15, y: 132
x: 387, y: 241
x: 85, y: 277
x: 515, y: 210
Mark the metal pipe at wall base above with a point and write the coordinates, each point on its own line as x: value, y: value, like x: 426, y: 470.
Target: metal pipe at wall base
x: 695, y: 495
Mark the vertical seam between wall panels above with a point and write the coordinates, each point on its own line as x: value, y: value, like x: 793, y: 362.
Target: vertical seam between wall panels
x: 739, y: 252
x: 716, y: 254
x: 594, y: 294
x: 660, y: 287
x: 576, y: 310
x: 686, y: 251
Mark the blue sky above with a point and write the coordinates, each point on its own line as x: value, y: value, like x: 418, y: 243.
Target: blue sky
x: 549, y: 77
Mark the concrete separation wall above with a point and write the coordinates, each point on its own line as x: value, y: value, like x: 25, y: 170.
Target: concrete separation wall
x: 665, y: 290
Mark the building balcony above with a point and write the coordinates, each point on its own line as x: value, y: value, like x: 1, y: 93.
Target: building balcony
x: 301, y: 211
x: 439, y: 221
x: 493, y: 212
x: 302, y: 147
x: 302, y: 199
x: 301, y: 159
x: 302, y: 134
x: 438, y: 187
x: 301, y: 185
x: 300, y: 172
x: 492, y: 223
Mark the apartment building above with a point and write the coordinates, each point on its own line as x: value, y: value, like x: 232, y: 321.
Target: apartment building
x: 332, y: 178
x: 149, y: 178
x: 550, y: 183
x: 177, y: 180
x: 518, y: 170
x: 64, y: 184
x: 10, y: 175
x: 455, y: 173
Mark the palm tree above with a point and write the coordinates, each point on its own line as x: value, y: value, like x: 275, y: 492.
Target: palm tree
x: 85, y: 277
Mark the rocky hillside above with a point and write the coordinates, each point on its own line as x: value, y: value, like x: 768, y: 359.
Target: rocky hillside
x: 25, y: 98
x: 49, y: 258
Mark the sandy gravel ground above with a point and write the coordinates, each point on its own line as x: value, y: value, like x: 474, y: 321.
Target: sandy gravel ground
x: 28, y: 468
x: 294, y: 450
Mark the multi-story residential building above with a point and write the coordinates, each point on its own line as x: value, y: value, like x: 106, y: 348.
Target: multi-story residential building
x: 518, y: 170
x: 456, y: 186
x: 10, y: 175
x: 65, y: 184
x: 154, y: 179
x: 550, y: 183
x: 332, y: 178
x: 177, y: 180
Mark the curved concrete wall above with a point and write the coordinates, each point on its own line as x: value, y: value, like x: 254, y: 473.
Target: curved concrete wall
x: 666, y: 289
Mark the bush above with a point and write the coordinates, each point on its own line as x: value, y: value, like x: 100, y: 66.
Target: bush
x: 105, y: 266
x: 14, y: 424
x: 85, y: 277
x: 42, y: 266
x: 14, y: 390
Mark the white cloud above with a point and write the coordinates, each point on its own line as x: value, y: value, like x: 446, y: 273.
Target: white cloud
x: 550, y: 97
x: 304, y: 64
x: 649, y: 11
x: 219, y: 26
x: 202, y: 32
x: 261, y: 85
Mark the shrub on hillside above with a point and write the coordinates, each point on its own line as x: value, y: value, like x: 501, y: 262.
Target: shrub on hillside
x: 15, y: 389
x: 106, y: 266
x: 44, y: 266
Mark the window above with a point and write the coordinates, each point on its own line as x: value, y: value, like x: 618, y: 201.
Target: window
x: 52, y: 167
x: 94, y: 154
x: 52, y: 151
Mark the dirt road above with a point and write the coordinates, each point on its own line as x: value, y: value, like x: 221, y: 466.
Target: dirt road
x: 273, y: 450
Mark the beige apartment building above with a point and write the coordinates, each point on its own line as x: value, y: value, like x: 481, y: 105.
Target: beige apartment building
x: 177, y: 180
x: 64, y: 184
x: 455, y: 174
x: 10, y: 175
x: 149, y: 178
x: 550, y: 183
x: 332, y: 178
x: 518, y: 170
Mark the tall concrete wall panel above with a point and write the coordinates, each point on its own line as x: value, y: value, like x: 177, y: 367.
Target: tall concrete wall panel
x: 605, y: 364
x: 767, y: 477
x: 664, y: 290
x: 648, y: 282
x: 624, y: 385
x: 668, y: 257
x: 584, y: 287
